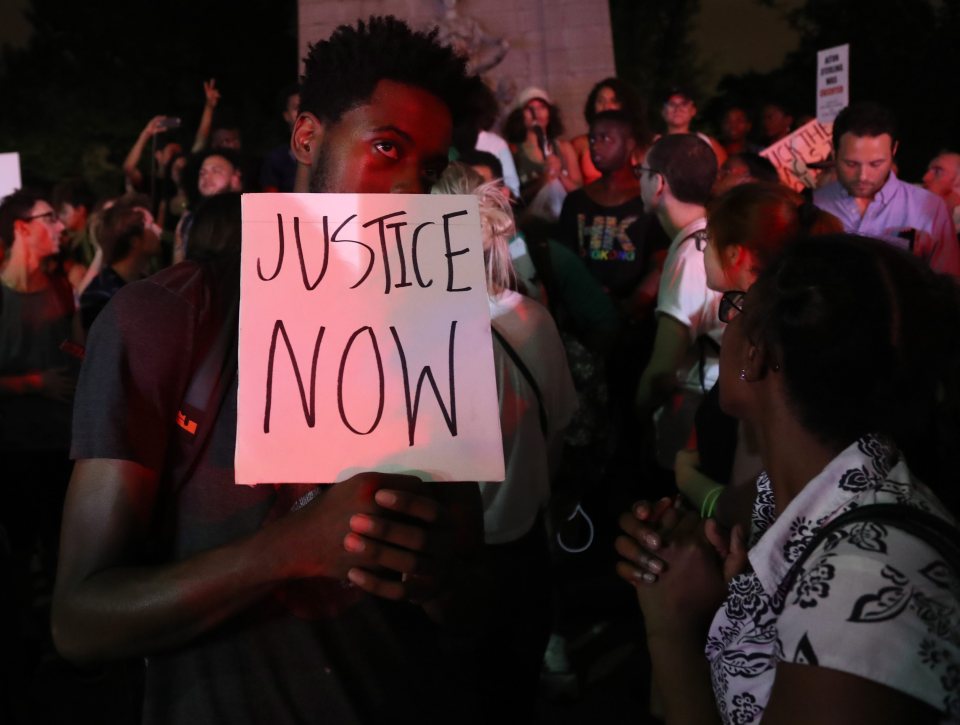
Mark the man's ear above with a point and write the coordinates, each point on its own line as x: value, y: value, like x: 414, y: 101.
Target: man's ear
x: 21, y: 228
x: 893, y: 151
x: 661, y: 186
x: 306, y: 138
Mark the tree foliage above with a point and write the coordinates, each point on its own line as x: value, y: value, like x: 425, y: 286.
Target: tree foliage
x: 652, y: 45
x: 903, y: 53
x: 78, y: 95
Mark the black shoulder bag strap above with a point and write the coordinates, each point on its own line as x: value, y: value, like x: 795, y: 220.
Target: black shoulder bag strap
x: 211, y: 378
x: 704, y: 342
x: 525, y: 371
x: 929, y: 528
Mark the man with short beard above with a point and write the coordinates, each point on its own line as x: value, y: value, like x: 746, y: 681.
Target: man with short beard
x: 869, y: 199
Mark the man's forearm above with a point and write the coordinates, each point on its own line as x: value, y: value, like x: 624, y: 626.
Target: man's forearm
x: 11, y: 385
x: 654, y: 389
x: 131, y: 611
x: 203, y: 130
x: 133, y: 159
x: 659, y: 379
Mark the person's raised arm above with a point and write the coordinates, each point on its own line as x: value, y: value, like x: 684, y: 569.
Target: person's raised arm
x: 131, y: 163
x: 212, y: 98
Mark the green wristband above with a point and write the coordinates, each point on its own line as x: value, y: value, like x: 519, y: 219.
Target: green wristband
x: 709, y: 505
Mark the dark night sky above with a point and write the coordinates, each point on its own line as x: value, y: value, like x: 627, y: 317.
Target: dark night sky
x: 737, y: 36
x: 719, y: 34
x: 14, y: 28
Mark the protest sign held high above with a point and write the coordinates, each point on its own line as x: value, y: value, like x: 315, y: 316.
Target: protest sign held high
x: 833, y: 82
x: 364, y: 340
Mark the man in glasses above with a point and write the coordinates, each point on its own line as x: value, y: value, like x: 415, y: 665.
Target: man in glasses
x: 37, y: 316
x: 675, y: 182
x: 37, y: 380
x: 678, y: 111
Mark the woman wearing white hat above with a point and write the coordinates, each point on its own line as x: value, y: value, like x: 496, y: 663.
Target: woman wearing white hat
x: 547, y: 164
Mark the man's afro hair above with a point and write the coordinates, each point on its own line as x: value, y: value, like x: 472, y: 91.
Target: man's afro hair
x: 341, y: 72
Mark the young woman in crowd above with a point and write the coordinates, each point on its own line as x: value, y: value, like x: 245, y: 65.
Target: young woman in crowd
x: 610, y: 94
x: 845, y: 358
x: 546, y: 163
x: 746, y: 228
x: 537, y: 401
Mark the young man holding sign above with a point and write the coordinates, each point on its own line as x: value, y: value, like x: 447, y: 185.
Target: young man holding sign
x: 249, y: 602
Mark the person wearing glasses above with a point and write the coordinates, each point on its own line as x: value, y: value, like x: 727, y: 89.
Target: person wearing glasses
x: 747, y: 228
x: 37, y: 380
x: 37, y: 307
x: 843, y: 355
x: 675, y: 182
x: 678, y: 111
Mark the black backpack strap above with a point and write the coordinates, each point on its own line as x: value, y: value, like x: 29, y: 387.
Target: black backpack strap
x: 929, y: 528
x: 525, y: 371
x: 212, y: 375
x: 703, y: 343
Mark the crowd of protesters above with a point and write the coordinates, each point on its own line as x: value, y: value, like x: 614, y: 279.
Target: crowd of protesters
x: 724, y: 390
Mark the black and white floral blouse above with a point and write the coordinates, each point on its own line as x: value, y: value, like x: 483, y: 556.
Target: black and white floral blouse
x: 872, y: 600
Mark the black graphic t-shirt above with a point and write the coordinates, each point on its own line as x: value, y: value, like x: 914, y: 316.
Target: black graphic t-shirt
x: 615, y: 242
x: 871, y: 600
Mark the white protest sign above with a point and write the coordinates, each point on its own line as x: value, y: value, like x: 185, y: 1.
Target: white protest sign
x: 833, y: 82
x: 810, y: 143
x: 365, y: 340
x: 9, y: 173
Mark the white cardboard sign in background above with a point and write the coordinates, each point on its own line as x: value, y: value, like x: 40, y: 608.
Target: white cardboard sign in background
x: 790, y: 155
x: 365, y: 340
x: 9, y: 173
x: 833, y: 82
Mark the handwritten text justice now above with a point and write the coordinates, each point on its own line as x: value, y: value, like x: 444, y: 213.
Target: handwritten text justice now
x: 404, y: 272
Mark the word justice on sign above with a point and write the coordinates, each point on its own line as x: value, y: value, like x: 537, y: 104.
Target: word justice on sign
x: 364, y: 340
